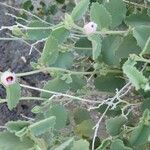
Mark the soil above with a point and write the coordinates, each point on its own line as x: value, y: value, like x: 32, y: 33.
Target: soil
x: 11, y: 53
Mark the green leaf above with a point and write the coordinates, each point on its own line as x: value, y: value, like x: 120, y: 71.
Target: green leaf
x: 109, y: 82
x: 61, y: 115
x: 148, y: 11
x: 140, y: 134
x: 60, y: 34
x: 55, y: 85
x: 100, y: 15
x: 50, y: 52
x: 135, y: 76
x: 117, y: 10
x: 141, y: 33
x: 68, y: 22
x: 38, y: 34
x: 127, y: 46
x: 64, y: 60
x: 119, y: 145
x: 84, y: 129
x: 42, y: 126
x: 104, y: 145
x: 9, y: 141
x: 80, y: 10
x: 137, y: 20
x: 96, y: 45
x: 114, y: 125
x: 65, y: 145
x: 109, y: 46
x: 146, y: 50
x: 83, y: 47
x: 15, y: 126
x: 145, y: 104
x: 77, y: 82
x: 13, y: 95
x: 80, y: 145
x: 81, y: 115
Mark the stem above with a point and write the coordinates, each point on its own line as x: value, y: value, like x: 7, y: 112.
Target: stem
x: 136, y: 4
x: 54, y: 69
x: 26, y: 98
x: 58, y: 93
x: 111, y: 32
x: 139, y: 58
x: 101, y: 32
x: 25, y: 11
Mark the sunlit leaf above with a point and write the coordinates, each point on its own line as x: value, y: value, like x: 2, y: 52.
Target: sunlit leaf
x: 84, y: 128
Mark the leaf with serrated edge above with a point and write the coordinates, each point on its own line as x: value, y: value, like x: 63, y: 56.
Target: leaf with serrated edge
x: 15, y: 126
x: 13, y: 95
x: 134, y: 20
x: 80, y: 144
x: 66, y: 144
x: 114, y: 125
x: 146, y: 50
x: 50, y: 52
x: 42, y: 126
x: 96, y: 45
x: 119, y: 145
x: 9, y: 141
x: 38, y: 34
x: 135, y: 76
x: 117, y: 10
x: 141, y: 33
x: 100, y: 15
x: 80, y: 10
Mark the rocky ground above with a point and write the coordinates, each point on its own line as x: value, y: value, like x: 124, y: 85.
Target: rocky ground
x: 11, y: 53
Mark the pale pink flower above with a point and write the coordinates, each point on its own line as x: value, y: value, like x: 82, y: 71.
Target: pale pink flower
x: 90, y: 28
x: 8, y: 78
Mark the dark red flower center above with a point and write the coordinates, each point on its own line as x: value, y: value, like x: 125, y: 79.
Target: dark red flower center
x: 9, y: 79
x: 92, y: 26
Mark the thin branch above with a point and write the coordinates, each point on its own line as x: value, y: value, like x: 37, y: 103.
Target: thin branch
x: 135, y: 4
x: 25, y: 11
x: 61, y: 94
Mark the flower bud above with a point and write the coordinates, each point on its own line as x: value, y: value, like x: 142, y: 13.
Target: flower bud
x: 8, y: 78
x: 90, y: 28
